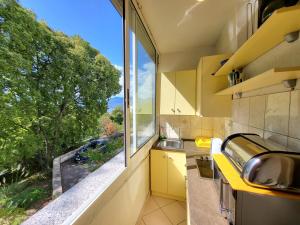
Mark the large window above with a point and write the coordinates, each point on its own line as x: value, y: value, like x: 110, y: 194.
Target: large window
x: 142, y: 83
x: 61, y: 98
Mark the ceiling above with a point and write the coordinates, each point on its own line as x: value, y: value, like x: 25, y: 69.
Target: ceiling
x: 177, y: 25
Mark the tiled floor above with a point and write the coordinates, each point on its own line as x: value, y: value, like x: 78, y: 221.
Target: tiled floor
x: 163, y: 211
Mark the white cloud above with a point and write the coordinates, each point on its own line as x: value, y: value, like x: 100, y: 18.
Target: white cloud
x: 145, y: 81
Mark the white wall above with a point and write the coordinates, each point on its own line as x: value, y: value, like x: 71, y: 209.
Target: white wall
x: 185, y: 60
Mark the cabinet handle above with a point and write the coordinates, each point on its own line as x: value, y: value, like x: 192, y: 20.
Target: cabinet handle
x: 173, y: 110
x: 171, y: 158
x: 164, y: 156
x: 178, y: 110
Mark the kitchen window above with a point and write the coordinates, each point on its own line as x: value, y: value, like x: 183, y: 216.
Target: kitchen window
x: 142, y: 83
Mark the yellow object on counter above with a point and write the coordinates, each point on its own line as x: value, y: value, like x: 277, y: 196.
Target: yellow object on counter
x: 236, y: 182
x: 202, y: 142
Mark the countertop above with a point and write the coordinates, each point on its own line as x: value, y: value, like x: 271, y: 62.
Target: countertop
x: 202, y: 199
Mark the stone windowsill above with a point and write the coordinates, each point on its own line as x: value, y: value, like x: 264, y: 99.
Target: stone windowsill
x: 77, y: 199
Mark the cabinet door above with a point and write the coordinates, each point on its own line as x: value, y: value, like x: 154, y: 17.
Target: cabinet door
x: 167, y: 93
x: 176, y: 174
x: 159, y: 170
x: 185, y: 98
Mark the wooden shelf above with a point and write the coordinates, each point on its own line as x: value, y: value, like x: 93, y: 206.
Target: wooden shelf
x: 269, y: 35
x: 268, y: 78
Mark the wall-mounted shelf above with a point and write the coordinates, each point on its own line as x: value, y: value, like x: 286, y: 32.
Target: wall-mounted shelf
x: 266, y: 79
x: 270, y: 34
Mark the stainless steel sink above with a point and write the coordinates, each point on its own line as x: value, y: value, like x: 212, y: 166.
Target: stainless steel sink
x: 204, y: 167
x: 170, y: 144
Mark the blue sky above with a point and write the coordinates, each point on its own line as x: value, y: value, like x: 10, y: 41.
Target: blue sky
x: 96, y: 21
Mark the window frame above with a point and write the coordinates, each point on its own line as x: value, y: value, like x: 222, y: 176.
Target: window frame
x: 131, y: 4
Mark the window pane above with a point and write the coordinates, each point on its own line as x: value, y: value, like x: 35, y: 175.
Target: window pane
x: 145, y: 96
x: 142, y: 83
x: 61, y: 97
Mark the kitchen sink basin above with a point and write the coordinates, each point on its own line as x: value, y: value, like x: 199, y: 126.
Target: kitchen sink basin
x: 204, y: 167
x: 170, y: 144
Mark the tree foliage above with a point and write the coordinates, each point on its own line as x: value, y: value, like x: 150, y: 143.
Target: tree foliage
x: 117, y: 115
x: 53, y: 88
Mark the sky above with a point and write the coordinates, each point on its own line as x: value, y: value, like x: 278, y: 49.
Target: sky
x: 96, y: 21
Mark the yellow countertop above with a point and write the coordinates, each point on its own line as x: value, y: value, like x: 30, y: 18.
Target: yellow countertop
x: 238, y: 184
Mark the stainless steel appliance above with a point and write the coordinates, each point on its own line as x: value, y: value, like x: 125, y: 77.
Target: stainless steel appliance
x: 261, y: 163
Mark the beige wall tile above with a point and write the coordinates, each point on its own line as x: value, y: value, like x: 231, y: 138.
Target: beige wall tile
x: 239, y: 128
x: 243, y: 113
x: 235, y: 109
x: 186, y: 133
x: 277, y: 138
x: 277, y: 113
x: 294, y: 144
x: 257, y: 111
x: 294, y: 123
x: 173, y: 132
x: 206, y: 133
x: 255, y: 130
x: 228, y: 127
x: 207, y: 123
x: 164, y: 120
x: 181, y: 121
x: 196, y: 122
x: 195, y: 133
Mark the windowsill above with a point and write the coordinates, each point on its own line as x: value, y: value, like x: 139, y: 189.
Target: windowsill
x: 78, y: 198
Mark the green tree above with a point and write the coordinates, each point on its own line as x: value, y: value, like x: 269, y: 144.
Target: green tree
x: 117, y: 115
x: 53, y: 88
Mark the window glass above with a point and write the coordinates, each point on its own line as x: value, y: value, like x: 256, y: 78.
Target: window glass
x: 61, y: 98
x: 142, y: 84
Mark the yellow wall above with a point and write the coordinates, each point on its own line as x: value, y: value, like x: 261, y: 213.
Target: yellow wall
x: 128, y: 201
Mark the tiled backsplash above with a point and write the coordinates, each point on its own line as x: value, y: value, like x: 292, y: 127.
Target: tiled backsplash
x: 272, y: 116
x: 188, y: 127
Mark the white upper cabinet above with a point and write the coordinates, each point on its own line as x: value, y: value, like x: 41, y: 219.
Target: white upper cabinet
x: 178, y: 93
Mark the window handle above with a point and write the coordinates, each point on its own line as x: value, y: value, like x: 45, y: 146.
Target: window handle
x: 128, y: 98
